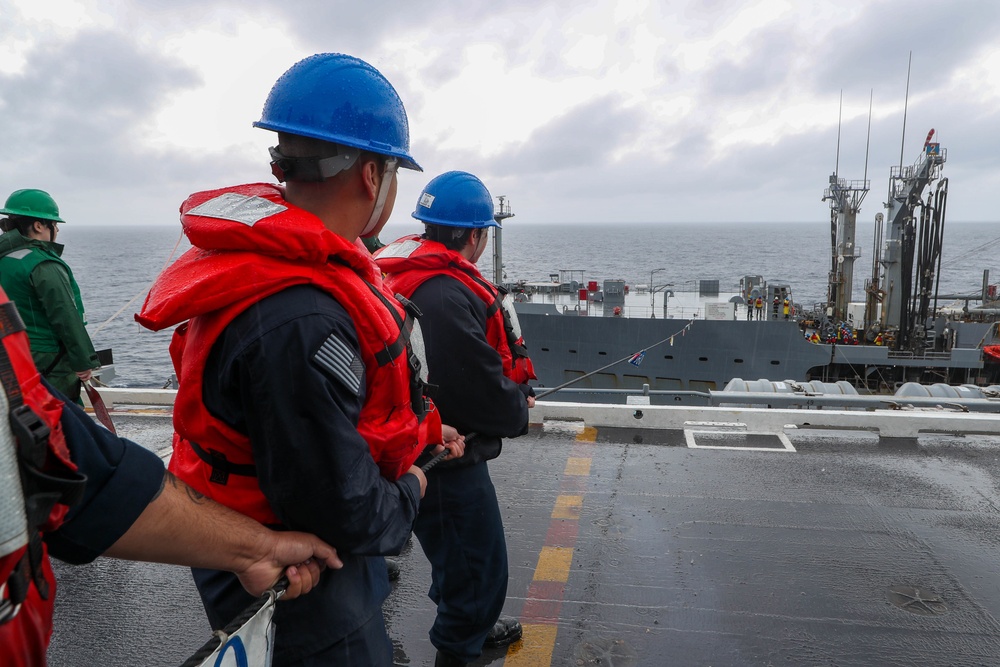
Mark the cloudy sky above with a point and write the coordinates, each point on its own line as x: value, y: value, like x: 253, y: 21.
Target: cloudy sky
x: 595, y: 111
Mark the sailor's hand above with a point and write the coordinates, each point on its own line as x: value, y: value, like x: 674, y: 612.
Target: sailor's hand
x: 531, y: 402
x: 453, y: 441
x: 84, y: 375
x: 302, y: 578
x: 305, y: 556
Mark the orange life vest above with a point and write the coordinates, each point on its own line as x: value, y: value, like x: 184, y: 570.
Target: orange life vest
x: 36, y: 462
x: 411, y: 260
x: 251, y: 243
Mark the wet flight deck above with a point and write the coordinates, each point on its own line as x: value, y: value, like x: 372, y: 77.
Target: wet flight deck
x: 655, y: 548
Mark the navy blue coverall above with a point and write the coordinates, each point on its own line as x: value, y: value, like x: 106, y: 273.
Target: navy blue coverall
x: 459, y: 525
x: 263, y: 379
x: 122, y: 479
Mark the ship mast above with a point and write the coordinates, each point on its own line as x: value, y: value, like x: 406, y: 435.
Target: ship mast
x: 502, y: 213
x: 906, y: 187
x: 845, y: 199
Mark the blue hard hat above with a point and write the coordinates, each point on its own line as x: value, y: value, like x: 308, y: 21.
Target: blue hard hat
x: 456, y: 199
x: 343, y: 100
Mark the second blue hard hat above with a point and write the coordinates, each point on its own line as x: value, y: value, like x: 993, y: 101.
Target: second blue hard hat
x: 456, y: 199
x: 343, y: 100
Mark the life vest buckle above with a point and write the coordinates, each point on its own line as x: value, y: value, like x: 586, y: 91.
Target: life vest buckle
x: 32, y: 435
x: 10, y: 605
x: 219, y: 463
x: 409, y: 306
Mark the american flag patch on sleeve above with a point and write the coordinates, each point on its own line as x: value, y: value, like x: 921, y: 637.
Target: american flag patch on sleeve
x: 337, y: 358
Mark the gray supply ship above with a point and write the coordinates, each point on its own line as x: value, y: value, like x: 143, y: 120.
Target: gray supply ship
x: 609, y: 338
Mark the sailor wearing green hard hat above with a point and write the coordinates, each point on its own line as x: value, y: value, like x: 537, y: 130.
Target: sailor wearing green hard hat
x: 41, y: 284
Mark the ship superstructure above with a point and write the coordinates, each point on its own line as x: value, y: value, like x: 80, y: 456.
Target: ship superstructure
x: 700, y: 339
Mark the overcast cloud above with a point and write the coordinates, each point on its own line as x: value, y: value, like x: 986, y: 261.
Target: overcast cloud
x: 607, y: 111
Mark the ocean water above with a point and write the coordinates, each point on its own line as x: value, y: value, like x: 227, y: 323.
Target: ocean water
x: 116, y: 265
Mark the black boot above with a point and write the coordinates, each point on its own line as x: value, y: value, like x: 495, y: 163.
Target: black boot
x: 393, y: 568
x: 506, y: 630
x: 448, y: 660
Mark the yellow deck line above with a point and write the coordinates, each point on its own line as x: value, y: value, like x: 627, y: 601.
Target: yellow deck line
x: 535, y: 647
x: 577, y: 466
x: 554, y: 563
x: 567, y: 507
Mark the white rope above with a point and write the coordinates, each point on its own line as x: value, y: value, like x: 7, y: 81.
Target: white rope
x: 145, y: 290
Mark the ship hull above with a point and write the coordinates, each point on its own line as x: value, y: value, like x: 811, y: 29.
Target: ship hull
x: 704, y: 355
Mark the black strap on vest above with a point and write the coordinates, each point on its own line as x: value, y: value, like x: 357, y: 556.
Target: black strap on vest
x: 489, y: 287
x: 221, y: 467
x: 42, y: 490
x: 62, y: 353
x: 516, y: 348
x: 419, y: 390
x: 396, y: 347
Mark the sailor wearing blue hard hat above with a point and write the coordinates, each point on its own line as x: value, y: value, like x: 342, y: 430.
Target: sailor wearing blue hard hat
x: 479, y: 364
x: 300, y: 399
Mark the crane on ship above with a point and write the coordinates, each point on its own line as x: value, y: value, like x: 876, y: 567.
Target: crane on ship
x: 911, y: 256
x: 845, y: 199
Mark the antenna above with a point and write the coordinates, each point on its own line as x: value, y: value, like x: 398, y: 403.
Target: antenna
x: 840, y: 121
x: 906, y: 101
x: 868, y: 143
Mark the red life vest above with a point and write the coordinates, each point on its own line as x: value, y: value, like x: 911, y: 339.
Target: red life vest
x: 411, y: 260
x: 250, y: 243
x: 49, y: 484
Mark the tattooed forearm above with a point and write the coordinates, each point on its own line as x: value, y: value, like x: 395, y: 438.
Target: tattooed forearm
x: 196, y: 497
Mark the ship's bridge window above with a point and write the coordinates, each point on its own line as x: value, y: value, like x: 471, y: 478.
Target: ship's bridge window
x: 775, y: 362
x: 737, y: 361
x: 702, y: 358
x: 668, y: 357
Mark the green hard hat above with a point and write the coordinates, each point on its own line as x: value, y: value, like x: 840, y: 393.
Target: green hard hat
x: 32, y: 204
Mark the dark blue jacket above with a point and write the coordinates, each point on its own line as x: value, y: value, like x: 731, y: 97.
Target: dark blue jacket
x: 262, y: 379
x: 472, y: 392
x: 122, y: 479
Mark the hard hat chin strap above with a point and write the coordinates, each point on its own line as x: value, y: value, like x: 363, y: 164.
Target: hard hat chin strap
x: 383, y: 192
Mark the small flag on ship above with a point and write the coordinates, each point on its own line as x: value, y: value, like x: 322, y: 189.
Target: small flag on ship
x: 637, y: 358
